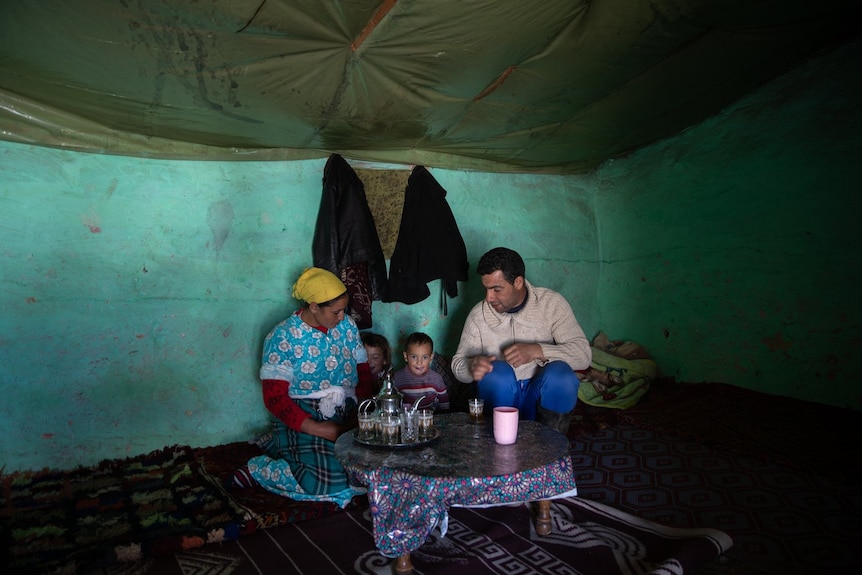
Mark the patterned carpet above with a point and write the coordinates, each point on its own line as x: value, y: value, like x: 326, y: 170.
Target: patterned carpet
x: 800, y: 435
x: 782, y: 521
x: 774, y: 473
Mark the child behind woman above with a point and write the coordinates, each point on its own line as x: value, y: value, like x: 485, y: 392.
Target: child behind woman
x: 379, y: 357
x: 417, y: 380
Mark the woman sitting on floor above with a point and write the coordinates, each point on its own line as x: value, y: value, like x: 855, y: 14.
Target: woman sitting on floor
x: 314, y: 373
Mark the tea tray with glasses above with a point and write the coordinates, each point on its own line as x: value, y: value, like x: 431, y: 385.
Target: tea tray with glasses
x: 378, y: 441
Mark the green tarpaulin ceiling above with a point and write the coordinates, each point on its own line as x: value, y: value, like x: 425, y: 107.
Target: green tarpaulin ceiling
x: 495, y: 85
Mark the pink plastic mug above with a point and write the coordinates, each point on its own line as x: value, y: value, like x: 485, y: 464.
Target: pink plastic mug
x: 505, y: 425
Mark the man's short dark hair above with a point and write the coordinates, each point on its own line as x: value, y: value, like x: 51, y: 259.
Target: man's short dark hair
x: 507, y: 261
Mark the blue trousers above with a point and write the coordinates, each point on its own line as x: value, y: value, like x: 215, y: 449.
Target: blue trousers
x: 554, y: 387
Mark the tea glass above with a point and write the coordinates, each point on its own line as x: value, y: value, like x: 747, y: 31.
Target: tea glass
x: 425, y: 423
x: 390, y: 425
x: 476, y: 408
x: 408, y: 426
x: 367, y: 425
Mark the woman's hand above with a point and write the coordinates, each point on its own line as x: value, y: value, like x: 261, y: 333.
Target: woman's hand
x: 325, y: 429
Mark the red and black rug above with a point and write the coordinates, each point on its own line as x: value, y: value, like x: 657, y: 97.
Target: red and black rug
x: 118, y: 511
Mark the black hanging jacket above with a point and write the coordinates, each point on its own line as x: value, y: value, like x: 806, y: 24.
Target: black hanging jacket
x: 345, y: 237
x: 429, y: 244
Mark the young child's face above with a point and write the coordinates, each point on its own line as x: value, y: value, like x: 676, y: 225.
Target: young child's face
x: 418, y: 358
x: 375, y: 359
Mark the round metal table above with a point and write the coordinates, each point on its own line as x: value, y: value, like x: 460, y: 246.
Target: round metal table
x: 411, y: 489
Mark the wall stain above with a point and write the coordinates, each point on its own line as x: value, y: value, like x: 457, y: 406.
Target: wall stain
x: 92, y: 222
x: 220, y: 219
x: 777, y: 342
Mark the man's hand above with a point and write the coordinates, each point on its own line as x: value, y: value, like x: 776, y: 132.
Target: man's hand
x: 480, y: 365
x: 325, y: 429
x: 519, y: 354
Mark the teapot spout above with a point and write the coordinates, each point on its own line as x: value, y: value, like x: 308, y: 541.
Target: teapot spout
x: 419, y: 401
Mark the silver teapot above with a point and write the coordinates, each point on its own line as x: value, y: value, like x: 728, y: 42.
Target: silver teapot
x: 388, y: 402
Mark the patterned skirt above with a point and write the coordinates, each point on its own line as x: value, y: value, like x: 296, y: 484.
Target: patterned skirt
x: 303, y: 466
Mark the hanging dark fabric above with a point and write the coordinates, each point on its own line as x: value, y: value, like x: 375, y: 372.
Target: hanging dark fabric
x: 429, y: 244
x: 345, y: 239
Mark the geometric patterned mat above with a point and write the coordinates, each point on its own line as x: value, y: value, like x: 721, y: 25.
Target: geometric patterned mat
x: 782, y: 520
x: 797, y: 434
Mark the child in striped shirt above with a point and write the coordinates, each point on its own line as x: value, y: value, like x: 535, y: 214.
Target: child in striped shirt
x: 416, y: 380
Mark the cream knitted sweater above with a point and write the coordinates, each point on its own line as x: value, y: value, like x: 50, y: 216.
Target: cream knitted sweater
x: 546, y: 319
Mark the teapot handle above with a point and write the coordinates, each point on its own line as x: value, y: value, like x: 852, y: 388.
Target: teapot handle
x: 363, y: 407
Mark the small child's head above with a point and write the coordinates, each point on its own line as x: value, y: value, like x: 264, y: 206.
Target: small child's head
x: 418, y: 353
x: 379, y: 353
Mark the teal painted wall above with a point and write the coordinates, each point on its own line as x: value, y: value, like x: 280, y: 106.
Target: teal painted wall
x: 136, y: 293
x: 731, y: 250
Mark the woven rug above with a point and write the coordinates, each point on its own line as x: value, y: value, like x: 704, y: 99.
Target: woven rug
x: 118, y: 511
x: 586, y: 537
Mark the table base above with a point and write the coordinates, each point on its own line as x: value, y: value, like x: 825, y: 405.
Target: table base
x: 411, y: 490
x: 403, y: 564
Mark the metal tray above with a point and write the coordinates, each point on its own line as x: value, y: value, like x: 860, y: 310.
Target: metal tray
x: 411, y: 445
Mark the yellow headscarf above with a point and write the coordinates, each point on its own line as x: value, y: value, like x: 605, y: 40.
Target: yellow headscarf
x: 317, y: 285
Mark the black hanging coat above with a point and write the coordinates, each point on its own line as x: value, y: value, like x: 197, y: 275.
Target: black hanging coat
x: 429, y: 245
x: 345, y: 239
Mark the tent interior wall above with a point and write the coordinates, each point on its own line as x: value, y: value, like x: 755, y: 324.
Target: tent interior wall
x: 150, y: 234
